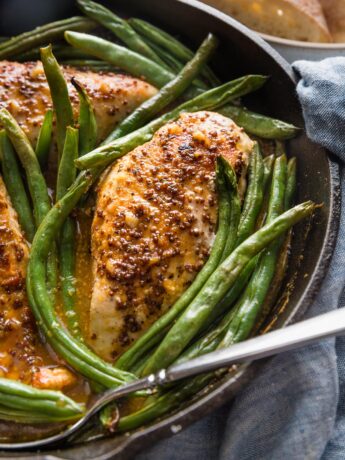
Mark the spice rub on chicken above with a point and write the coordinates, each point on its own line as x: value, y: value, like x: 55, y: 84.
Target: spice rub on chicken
x: 22, y: 356
x: 25, y: 93
x: 154, y: 225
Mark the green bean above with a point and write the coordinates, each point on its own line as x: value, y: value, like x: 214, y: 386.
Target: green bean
x: 162, y: 404
x: 96, y: 376
x: 74, y: 352
x: 231, y: 183
x: 218, y: 284
x: 60, y: 51
x: 235, y: 212
x: 67, y: 276
x: 44, y: 139
x: 152, y: 334
x: 233, y: 294
x: 133, y: 63
x: 99, y: 66
x: 59, y: 93
x: 170, y: 92
x: 18, y: 416
x: 277, y: 194
x: 159, y: 329
x: 87, y: 120
x: 41, y: 406
x: 42, y: 35
x: 254, y: 196
x: 36, y: 182
x: 254, y: 295
x: 25, y: 398
x: 209, y: 100
x: 15, y: 186
x: 282, y: 261
x: 173, y: 64
x: 37, y: 186
x: 170, y: 44
x: 208, y: 342
x: 65, y: 178
x: 259, y: 125
x: 268, y: 168
x: 291, y: 183
x: 119, y: 27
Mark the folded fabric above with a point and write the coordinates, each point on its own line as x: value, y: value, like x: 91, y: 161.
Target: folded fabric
x: 295, y: 408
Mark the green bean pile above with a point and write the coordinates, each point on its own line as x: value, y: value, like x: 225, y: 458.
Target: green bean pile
x: 241, y: 280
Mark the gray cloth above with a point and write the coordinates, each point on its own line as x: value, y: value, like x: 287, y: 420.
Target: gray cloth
x: 295, y: 408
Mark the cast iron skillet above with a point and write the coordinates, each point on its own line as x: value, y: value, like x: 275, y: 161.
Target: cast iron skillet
x: 241, y: 52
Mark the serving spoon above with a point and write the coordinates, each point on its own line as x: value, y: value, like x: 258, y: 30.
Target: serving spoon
x: 311, y: 330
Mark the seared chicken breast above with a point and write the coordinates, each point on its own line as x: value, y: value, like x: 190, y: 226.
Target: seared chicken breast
x: 154, y: 225
x: 22, y: 357
x: 25, y: 93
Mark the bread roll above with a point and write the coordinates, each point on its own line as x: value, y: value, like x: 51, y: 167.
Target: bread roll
x: 335, y: 14
x: 293, y: 19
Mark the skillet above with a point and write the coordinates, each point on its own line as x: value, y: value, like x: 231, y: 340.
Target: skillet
x: 241, y: 52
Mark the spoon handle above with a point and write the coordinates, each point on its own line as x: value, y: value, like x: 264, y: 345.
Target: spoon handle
x: 300, y: 334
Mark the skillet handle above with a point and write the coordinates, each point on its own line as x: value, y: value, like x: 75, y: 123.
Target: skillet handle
x: 298, y: 335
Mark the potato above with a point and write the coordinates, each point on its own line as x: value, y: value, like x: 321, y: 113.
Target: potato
x: 293, y: 19
x: 335, y: 14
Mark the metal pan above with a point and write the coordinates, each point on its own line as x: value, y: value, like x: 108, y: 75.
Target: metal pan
x: 241, y: 52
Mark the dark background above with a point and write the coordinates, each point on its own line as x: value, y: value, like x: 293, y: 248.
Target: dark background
x: 19, y: 15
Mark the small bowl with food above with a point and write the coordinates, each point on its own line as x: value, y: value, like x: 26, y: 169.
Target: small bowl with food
x: 298, y: 29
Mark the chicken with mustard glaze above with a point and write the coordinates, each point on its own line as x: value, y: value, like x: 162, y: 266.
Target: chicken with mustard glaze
x: 155, y: 223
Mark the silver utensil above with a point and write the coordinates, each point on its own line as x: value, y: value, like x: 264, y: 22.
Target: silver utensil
x: 295, y: 336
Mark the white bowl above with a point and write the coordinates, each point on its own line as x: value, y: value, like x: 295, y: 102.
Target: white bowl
x: 294, y: 50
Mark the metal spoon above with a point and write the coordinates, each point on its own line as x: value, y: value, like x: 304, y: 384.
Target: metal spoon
x: 295, y: 336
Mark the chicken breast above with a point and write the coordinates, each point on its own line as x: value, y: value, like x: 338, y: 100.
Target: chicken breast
x: 22, y: 356
x: 25, y: 93
x: 155, y: 223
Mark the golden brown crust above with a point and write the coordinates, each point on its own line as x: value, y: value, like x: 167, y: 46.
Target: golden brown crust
x: 154, y: 224
x: 24, y: 92
x: 22, y: 355
x: 17, y: 330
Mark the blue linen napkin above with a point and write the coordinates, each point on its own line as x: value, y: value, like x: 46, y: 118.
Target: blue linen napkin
x: 295, y: 408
